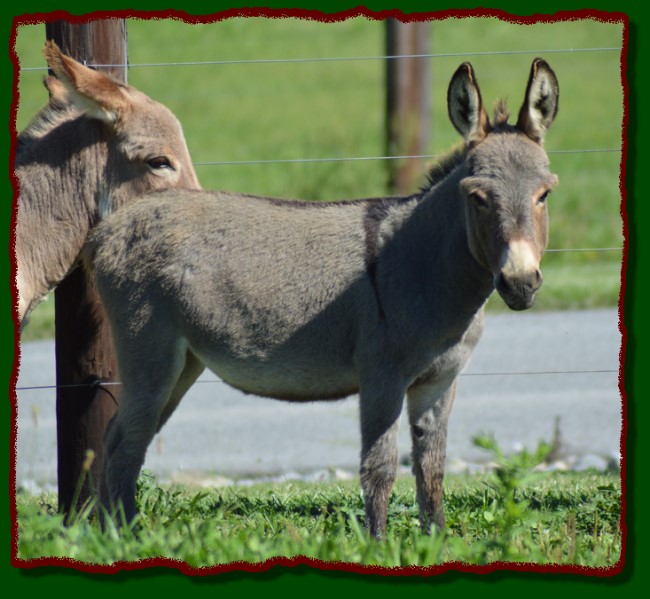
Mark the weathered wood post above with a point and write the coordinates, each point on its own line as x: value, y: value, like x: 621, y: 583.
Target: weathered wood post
x: 84, y: 354
x: 408, y: 105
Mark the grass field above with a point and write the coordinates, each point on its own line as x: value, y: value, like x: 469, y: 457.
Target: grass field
x: 512, y: 515
x: 334, y: 109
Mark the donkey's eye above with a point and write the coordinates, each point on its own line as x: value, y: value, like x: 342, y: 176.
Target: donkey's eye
x: 479, y: 200
x: 159, y: 163
x: 542, y: 199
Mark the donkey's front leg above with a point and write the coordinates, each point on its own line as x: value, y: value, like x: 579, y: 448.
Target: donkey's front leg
x: 429, y: 406
x: 380, y: 413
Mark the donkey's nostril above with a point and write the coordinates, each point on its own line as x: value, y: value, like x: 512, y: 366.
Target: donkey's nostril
x: 522, y: 284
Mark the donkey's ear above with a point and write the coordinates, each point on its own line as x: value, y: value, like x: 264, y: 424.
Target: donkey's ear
x: 93, y: 92
x: 465, y: 105
x: 56, y: 90
x: 541, y: 102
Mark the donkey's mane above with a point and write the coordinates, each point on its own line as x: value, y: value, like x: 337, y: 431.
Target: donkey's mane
x: 449, y: 161
x: 501, y: 113
x: 58, y: 110
x: 444, y: 166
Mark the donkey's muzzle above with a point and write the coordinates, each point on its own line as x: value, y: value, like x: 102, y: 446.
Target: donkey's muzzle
x: 518, y: 292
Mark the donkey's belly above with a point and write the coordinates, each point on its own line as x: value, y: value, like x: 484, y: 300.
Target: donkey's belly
x: 284, y: 380
x: 293, y: 353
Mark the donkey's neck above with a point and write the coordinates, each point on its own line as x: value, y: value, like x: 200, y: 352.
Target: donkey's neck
x: 429, y: 259
x: 60, y: 176
x: 463, y: 284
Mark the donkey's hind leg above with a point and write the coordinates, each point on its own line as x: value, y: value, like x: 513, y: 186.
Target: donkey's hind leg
x: 149, y: 381
x: 429, y: 406
x: 191, y: 371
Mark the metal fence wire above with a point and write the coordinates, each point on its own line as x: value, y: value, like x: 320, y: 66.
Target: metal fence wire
x: 366, y: 158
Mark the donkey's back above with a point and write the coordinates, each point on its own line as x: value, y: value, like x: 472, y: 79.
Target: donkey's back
x: 275, y: 296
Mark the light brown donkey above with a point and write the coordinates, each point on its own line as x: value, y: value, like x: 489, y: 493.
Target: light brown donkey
x: 95, y: 145
x: 304, y: 301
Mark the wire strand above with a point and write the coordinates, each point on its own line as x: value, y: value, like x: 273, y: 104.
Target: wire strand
x: 266, y: 61
x: 367, y: 158
x: 472, y: 374
x: 568, y: 250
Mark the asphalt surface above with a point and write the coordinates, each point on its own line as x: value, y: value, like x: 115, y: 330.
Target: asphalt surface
x: 528, y: 369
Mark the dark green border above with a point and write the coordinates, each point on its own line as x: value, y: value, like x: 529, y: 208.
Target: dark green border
x: 49, y: 581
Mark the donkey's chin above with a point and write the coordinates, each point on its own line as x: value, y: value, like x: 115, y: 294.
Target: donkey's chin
x: 517, y: 302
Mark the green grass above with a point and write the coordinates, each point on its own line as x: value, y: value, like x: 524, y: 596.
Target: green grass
x: 511, y: 515
x: 335, y: 109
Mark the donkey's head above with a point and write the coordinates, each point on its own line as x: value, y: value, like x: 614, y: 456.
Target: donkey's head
x: 507, y: 180
x: 151, y: 152
x: 97, y: 144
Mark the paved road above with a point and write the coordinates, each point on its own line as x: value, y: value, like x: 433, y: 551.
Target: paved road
x: 218, y: 430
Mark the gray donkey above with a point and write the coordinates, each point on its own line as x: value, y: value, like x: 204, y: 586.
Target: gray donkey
x: 306, y: 301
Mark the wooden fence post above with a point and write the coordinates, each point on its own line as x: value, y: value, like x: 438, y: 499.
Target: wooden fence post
x: 84, y: 354
x: 408, y: 104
